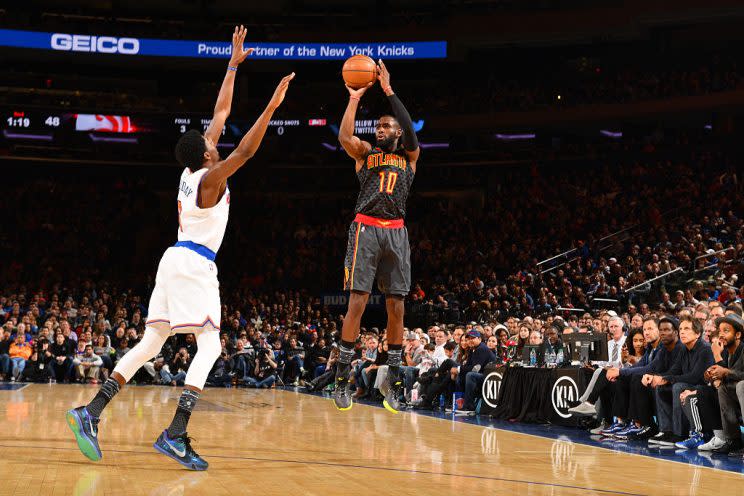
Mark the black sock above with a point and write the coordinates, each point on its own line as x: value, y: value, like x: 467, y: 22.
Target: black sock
x: 99, y: 402
x: 395, y: 352
x: 181, y: 419
x: 346, y: 353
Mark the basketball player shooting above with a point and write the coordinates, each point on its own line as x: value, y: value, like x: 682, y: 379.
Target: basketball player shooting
x: 186, y: 295
x: 378, y: 239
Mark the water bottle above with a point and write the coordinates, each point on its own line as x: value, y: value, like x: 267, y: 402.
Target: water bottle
x: 560, y: 357
x: 533, y: 357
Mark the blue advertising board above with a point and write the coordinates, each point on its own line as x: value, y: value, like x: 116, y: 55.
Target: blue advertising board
x: 129, y: 46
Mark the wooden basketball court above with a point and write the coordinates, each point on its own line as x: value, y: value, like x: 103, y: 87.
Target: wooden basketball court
x: 282, y: 442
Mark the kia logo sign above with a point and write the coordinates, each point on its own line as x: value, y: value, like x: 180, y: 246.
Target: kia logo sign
x: 565, y: 392
x: 95, y: 44
x: 490, y: 389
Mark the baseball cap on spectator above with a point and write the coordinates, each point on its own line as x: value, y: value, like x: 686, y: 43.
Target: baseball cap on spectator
x: 733, y: 320
x: 410, y: 335
x: 613, y: 260
x: 425, y: 339
x: 612, y: 313
x: 671, y: 320
x: 472, y: 333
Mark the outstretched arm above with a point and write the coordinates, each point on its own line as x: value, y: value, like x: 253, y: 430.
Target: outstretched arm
x: 355, y: 148
x: 409, y: 139
x: 224, y: 99
x: 214, y: 181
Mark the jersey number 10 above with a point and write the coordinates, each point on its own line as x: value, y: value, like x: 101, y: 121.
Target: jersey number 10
x: 392, y: 178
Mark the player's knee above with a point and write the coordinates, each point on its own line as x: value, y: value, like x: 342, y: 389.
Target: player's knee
x: 357, y: 302
x: 209, y: 345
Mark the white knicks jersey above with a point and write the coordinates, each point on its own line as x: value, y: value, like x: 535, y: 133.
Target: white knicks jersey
x: 205, y: 226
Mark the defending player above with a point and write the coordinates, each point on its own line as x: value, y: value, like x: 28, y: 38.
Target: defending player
x: 378, y: 239
x: 186, y: 296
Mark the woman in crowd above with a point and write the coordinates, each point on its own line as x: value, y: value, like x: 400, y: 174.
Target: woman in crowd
x: 634, y: 352
x: 103, y: 349
x: 523, y: 338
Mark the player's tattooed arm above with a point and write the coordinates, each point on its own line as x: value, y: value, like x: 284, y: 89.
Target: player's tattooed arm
x: 224, y: 99
x: 355, y: 148
x: 214, y: 181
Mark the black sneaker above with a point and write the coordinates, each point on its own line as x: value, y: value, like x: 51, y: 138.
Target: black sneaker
x: 728, y: 447
x: 647, y: 432
x: 739, y: 453
x: 670, y: 440
x: 656, y: 437
x: 342, y: 393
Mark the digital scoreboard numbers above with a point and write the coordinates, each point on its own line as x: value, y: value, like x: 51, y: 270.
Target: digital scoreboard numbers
x: 20, y: 119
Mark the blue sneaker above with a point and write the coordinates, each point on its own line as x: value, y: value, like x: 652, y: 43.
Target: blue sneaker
x: 85, y: 427
x: 179, y: 448
x: 613, y: 429
x: 692, y: 442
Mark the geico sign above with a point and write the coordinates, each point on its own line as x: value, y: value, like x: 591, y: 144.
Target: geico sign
x: 100, y: 44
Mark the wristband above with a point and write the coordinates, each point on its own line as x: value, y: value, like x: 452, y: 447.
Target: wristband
x: 232, y: 68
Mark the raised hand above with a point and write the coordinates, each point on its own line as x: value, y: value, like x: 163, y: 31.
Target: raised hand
x: 359, y: 92
x: 280, y: 91
x: 383, y: 75
x: 238, y: 52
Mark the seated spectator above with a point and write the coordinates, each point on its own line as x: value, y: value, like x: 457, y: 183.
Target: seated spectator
x: 220, y: 374
x: 5, y: 366
x: 553, y: 350
x: 317, y: 355
x: 102, y: 348
x: 413, y: 354
x: 88, y: 365
x: 20, y: 351
x: 369, y: 374
x: 122, y: 349
x: 35, y: 370
x: 442, y: 381
x: 62, y: 355
x: 181, y: 362
x: 469, y: 375
x: 686, y: 373
x: 264, y: 370
x: 367, y: 358
x: 327, y: 377
x: 728, y: 376
x: 441, y: 337
x: 242, y: 358
x: 163, y: 374
x: 632, y: 354
x: 536, y: 338
x: 523, y: 338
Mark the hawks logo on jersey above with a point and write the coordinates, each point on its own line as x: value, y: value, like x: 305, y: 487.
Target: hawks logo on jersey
x: 384, y: 183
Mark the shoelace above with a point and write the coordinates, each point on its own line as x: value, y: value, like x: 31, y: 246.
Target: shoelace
x: 187, y: 442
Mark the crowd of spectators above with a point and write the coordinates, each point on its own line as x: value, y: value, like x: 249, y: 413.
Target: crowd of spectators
x: 69, y: 313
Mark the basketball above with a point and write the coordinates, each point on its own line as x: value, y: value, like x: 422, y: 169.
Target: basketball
x: 359, y: 71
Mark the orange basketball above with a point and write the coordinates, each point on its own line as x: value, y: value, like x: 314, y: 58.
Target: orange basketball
x: 359, y: 71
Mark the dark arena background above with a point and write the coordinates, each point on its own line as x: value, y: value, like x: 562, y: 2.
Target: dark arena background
x: 573, y: 324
